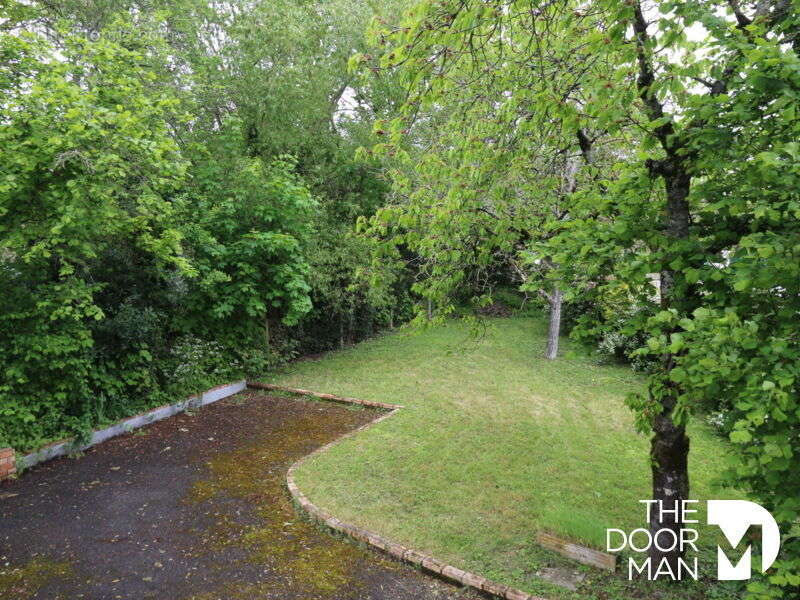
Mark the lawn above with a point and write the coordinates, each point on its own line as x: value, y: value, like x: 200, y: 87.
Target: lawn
x: 494, y: 443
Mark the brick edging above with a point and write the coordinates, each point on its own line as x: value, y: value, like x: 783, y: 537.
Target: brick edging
x: 282, y: 388
x: 8, y: 463
x: 398, y: 551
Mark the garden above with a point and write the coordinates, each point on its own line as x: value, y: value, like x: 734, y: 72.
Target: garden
x: 547, y: 249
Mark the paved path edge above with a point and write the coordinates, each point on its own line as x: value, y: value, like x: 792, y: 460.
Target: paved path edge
x: 408, y: 555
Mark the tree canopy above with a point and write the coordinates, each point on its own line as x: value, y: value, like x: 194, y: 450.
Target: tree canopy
x: 199, y: 190
x: 681, y: 117
x: 178, y: 191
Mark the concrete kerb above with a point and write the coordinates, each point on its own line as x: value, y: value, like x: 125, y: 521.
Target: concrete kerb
x: 63, y: 447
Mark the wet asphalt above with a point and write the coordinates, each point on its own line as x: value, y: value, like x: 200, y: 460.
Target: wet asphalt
x: 193, y: 508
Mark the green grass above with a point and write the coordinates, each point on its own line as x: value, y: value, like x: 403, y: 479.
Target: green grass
x: 494, y: 444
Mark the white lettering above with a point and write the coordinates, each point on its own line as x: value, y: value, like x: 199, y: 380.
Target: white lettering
x: 687, y: 511
x: 664, y: 569
x: 644, y: 548
x: 683, y: 566
x: 608, y: 540
x: 633, y: 566
x: 688, y: 538
x: 669, y: 548
x: 649, y: 504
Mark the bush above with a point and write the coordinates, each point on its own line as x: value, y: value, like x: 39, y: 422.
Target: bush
x: 610, y: 320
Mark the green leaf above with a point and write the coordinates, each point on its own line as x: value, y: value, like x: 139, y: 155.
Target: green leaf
x: 740, y: 436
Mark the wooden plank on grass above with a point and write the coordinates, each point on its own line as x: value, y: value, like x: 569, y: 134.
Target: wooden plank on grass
x: 584, y: 555
x: 301, y: 392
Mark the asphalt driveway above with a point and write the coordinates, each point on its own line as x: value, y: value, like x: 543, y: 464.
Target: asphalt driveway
x: 193, y: 507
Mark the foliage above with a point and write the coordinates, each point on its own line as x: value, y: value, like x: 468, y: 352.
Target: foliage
x: 246, y: 226
x: 280, y: 68
x: 470, y: 214
x: 89, y: 164
x: 608, y: 319
x: 180, y: 187
x: 698, y: 101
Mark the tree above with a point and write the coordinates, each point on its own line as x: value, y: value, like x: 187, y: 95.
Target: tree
x: 89, y: 164
x: 189, y: 184
x: 246, y: 227
x: 633, y: 73
x: 478, y: 189
x: 280, y: 69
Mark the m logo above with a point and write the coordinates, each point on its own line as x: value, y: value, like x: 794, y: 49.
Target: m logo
x: 735, y: 517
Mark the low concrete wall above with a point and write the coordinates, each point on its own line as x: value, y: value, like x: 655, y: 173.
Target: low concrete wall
x: 63, y: 447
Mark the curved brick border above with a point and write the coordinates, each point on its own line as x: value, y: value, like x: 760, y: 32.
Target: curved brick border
x: 408, y: 555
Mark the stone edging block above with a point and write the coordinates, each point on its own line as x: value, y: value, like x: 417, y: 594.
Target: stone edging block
x: 414, y: 557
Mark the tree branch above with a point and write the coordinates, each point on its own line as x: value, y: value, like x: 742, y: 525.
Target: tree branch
x: 646, y: 79
x: 741, y: 18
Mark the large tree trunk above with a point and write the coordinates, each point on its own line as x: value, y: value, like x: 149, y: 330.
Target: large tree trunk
x: 669, y: 449
x: 556, y: 299
x: 670, y: 446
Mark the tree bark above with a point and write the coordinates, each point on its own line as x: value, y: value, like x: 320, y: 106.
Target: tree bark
x: 669, y: 446
x: 350, y: 326
x: 669, y: 451
x: 556, y: 300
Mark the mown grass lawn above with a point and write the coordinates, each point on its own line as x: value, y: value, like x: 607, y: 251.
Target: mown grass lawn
x: 494, y: 444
